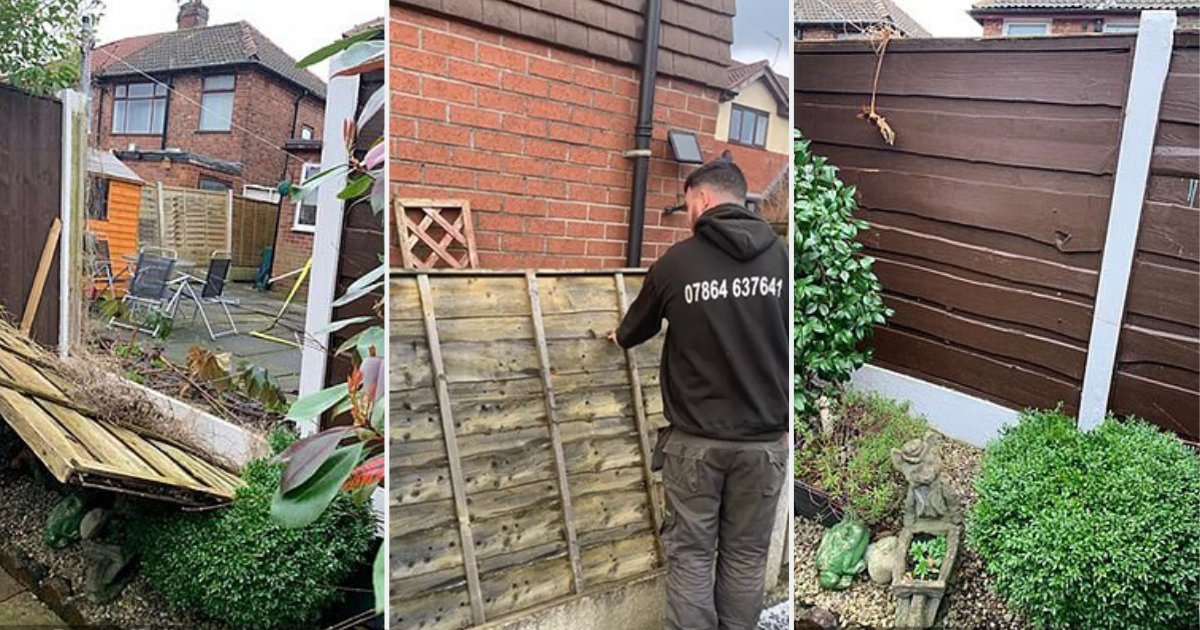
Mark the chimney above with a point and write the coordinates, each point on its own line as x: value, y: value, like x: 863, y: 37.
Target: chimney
x: 192, y: 14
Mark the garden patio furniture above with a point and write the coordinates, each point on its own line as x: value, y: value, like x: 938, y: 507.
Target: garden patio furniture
x: 103, y: 269
x: 151, y: 288
x: 212, y: 291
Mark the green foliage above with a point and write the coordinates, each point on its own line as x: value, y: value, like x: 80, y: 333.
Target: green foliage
x: 241, y: 567
x: 280, y: 438
x: 926, y: 557
x: 837, y: 294
x: 853, y: 465
x: 40, y: 43
x: 1091, y: 530
x: 258, y: 384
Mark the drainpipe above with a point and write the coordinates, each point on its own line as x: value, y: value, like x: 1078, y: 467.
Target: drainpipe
x: 643, y: 132
x: 287, y: 158
x: 167, y: 112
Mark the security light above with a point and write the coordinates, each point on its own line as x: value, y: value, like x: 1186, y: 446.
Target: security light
x: 685, y: 147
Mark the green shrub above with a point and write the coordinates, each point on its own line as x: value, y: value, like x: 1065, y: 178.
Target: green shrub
x: 837, y: 294
x: 238, y: 566
x: 280, y: 438
x: 854, y: 465
x: 1091, y: 530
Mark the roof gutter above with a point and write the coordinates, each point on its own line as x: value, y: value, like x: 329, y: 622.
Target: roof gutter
x: 642, y: 134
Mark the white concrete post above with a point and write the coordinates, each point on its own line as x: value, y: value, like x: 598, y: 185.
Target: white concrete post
x: 340, y: 105
x: 71, y: 213
x: 1151, y: 60
x: 229, y: 222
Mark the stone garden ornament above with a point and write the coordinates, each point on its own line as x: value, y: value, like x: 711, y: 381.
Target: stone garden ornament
x: 931, y: 508
x: 840, y: 556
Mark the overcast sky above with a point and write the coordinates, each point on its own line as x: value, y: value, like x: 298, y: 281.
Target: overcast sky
x: 762, y: 30
x: 297, y: 26
x: 943, y: 18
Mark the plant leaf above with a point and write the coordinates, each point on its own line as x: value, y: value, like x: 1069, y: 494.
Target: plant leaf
x: 306, y: 456
x: 380, y: 580
x: 356, y: 187
x: 373, y: 106
x: 317, y: 403
x: 333, y: 327
x: 303, y: 505
x: 330, y: 50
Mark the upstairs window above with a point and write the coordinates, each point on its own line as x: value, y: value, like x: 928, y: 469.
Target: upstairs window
x: 748, y: 126
x: 216, y: 103
x: 1026, y: 29
x: 139, y: 108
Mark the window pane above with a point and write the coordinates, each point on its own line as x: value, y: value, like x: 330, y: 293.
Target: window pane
x: 213, y: 184
x: 219, y: 82
x: 120, y: 91
x: 138, y: 116
x: 216, y: 112
x: 1120, y: 28
x: 1026, y: 29
x: 307, y: 215
x: 160, y: 112
x: 309, y: 171
x: 141, y: 90
x: 760, y: 131
x: 160, y: 89
x: 735, y: 123
x: 119, y: 117
x: 747, y: 135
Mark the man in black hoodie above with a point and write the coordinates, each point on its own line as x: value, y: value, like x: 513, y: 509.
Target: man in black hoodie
x: 724, y: 292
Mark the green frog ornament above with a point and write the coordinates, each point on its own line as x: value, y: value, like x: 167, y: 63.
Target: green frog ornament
x: 840, y: 556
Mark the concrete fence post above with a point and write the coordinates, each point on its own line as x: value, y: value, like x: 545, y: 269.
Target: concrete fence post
x: 1151, y: 60
x: 72, y: 197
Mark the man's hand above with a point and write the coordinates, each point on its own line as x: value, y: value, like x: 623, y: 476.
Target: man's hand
x: 612, y: 336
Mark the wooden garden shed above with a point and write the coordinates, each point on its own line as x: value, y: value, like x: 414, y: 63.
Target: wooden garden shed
x: 114, y: 200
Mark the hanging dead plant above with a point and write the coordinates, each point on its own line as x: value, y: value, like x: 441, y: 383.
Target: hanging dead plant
x: 880, y: 36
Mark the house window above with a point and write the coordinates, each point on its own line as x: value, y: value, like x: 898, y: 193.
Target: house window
x: 1026, y: 28
x: 1120, y: 27
x: 139, y: 108
x: 306, y: 209
x: 208, y: 183
x: 216, y: 103
x: 748, y: 126
x: 97, y: 203
x: 306, y: 132
x: 260, y: 193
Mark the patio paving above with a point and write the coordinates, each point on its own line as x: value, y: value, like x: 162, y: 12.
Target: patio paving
x: 255, y: 312
x: 20, y: 609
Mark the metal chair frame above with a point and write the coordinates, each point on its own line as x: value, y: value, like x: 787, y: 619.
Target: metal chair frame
x: 212, y: 291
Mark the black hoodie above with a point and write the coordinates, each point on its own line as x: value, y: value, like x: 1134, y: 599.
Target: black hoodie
x: 724, y: 292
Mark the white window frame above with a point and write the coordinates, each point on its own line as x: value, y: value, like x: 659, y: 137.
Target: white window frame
x: 297, y: 226
x: 159, y: 94
x: 1122, y: 26
x: 1010, y: 23
x: 260, y: 193
x: 224, y: 125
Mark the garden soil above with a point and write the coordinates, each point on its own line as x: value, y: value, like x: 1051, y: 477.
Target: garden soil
x: 970, y: 603
x: 27, y: 504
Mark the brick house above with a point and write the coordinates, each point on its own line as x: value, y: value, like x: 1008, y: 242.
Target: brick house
x: 1001, y: 18
x: 528, y: 113
x: 848, y: 19
x: 753, y: 125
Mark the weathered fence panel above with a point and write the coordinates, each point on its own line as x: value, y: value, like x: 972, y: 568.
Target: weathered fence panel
x: 519, y: 443
x: 30, y: 183
x: 988, y: 215
x: 254, y: 224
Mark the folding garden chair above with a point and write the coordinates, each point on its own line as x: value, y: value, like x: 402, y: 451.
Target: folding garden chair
x: 150, y: 288
x: 103, y: 269
x: 213, y: 292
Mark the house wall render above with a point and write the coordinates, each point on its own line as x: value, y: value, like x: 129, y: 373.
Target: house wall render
x: 988, y: 216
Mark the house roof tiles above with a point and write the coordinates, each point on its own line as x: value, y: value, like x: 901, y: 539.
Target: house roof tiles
x: 862, y: 13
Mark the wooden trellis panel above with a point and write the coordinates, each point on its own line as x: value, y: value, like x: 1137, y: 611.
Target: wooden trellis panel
x: 519, y: 440
x: 436, y: 234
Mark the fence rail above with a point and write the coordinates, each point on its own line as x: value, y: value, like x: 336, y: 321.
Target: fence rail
x: 988, y: 215
x: 519, y: 443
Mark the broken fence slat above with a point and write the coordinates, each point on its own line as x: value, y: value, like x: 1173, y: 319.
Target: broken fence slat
x: 560, y: 464
x: 639, y: 409
x: 470, y: 564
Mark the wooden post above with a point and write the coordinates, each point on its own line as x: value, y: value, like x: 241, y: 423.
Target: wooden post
x: 639, y: 410
x: 39, y: 278
x: 162, y: 216
x: 229, y: 222
x: 1151, y: 61
x: 560, y: 463
x: 457, y: 484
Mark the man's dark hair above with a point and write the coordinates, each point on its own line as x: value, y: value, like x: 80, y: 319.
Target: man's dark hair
x: 721, y: 174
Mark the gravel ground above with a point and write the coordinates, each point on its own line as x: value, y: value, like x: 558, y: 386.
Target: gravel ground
x: 970, y: 602
x: 22, y: 521
x: 775, y: 618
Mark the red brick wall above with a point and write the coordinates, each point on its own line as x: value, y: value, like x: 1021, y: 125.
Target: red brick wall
x: 533, y: 135
x: 292, y: 248
x: 180, y: 174
x: 818, y: 33
x: 262, y: 103
x: 1059, y: 25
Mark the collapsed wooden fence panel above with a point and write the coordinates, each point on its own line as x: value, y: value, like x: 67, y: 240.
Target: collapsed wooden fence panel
x: 988, y: 215
x: 519, y: 443
x: 79, y: 448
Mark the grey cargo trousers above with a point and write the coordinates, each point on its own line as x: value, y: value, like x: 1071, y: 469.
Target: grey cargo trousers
x: 721, y: 501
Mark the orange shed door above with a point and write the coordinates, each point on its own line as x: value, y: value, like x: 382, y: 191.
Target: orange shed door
x: 124, y: 202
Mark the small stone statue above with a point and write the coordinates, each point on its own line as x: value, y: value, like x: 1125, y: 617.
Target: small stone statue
x: 840, y: 556
x: 930, y: 500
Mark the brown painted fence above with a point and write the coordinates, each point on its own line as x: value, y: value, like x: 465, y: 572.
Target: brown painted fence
x: 988, y: 215
x: 519, y: 438
x: 30, y: 182
x: 254, y: 225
